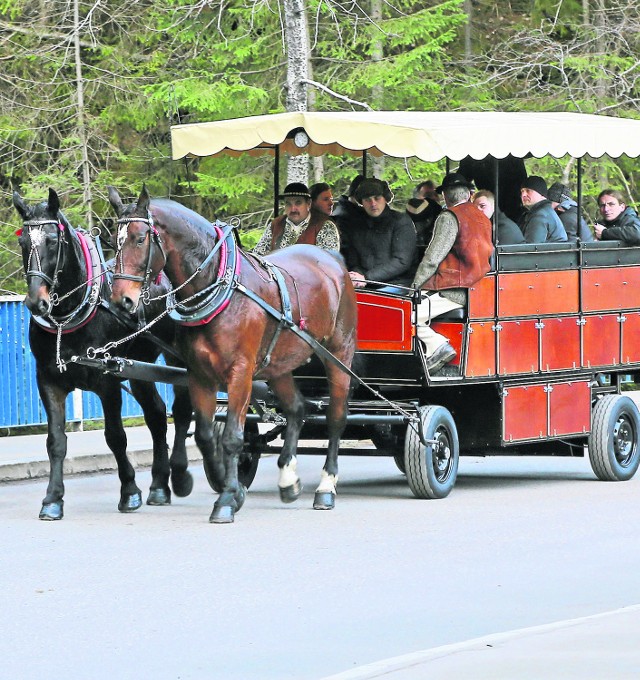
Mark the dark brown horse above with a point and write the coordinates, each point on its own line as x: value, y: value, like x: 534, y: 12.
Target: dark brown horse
x: 68, y: 297
x: 227, y: 337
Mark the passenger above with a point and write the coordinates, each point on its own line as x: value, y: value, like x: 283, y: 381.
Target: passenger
x: 540, y: 223
x: 321, y: 197
x: 508, y: 232
x: 458, y: 256
x: 511, y: 173
x: 383, y: 248
x: 567, y: 209
x: 423, y: 209
x: 299, y: 224
x: 347, y: 215
x: 620, y: 222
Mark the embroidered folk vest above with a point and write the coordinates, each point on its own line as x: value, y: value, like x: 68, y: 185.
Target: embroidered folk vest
x: 469, y: 258
x: 309, y: 235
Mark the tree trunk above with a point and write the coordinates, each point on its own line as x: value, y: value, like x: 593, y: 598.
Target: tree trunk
x: 296, y: 35
x: 377, y: 93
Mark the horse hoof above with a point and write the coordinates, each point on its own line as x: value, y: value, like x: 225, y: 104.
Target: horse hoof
x: 289, y: 494
x: 182, y: 483
x: 130, y: 503
x: 240, y: 497
x: 222, y: 514
x: 159, y: 497
x: 324, y: 500
x: 51, y: 511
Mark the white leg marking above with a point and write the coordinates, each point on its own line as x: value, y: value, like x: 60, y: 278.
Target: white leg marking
x: 288, y: 474
x: 328, y: 483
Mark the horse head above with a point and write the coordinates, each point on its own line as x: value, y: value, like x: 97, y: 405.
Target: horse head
x: 139, y: 253
x: 43, y: 240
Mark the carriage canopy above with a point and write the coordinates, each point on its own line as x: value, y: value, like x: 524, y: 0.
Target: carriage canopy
x: 429, y: 136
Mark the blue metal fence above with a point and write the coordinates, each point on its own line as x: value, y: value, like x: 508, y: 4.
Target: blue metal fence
x: 19, y: 401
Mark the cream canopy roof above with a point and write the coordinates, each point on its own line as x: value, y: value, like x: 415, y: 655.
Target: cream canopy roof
x: 429, y: 136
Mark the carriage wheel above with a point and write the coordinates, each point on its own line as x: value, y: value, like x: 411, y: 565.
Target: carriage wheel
x: 389, y: 438
x: 249, y: 459
x: 614, y: 442
x: 432, y: 469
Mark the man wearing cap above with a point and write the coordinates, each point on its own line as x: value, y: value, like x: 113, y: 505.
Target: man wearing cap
x: 299, y: 224
x: 540, y: 223
x: 383, y: 247
x: 567, y: 210
x: 458, y: 256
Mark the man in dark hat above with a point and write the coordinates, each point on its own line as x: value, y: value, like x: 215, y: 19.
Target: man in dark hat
x: 423, y: 209
x: 567, y: 209
x: 299, y: 224
x: 540, y: 223
x: 458, y: 256
x: 383, y: 246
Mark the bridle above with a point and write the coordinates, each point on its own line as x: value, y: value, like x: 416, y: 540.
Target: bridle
x: 36, y: 237
x: 154, y: 240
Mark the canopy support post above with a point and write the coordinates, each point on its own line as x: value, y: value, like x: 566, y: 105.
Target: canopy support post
x: 276, y: 180
x: 364, y: 163
x: 579, y: 196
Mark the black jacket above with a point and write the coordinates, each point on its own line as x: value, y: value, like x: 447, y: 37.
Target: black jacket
x: 626, y: 228
x: 384, y: 248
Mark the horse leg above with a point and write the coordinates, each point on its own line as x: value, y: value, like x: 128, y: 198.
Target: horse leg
x: 181, y: 478
x: 116, y: 438
x: 233, y: 493
x: 53, y: 399
x: 292, y: 404
x: 339, y: 382
x: 155, y: 416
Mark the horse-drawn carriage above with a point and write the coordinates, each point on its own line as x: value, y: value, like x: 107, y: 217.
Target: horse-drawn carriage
x: 546, y: 337
x: 542, y: 345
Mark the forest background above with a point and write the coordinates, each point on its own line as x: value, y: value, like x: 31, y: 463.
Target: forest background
x: 89, y: 90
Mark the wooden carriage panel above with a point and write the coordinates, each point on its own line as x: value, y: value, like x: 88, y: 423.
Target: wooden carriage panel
x: 533, y: 293
x: 518, y: 347
x: 524, y: 413
x: 602, y: 288
x: 560, y: 343
x: 454, y: 332
x: 630, y: 329
x: 482, y: 298
x: 481, y: 349
x: 569, y: 408
x: 384, y: 323
x: 629, y: 289
x: 601, y: 340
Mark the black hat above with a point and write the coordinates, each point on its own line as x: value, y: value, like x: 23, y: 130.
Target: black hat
x: 454, y: 179
x: 537, y: 184
x: 559, y: 192
x: 371, y: 186
x: 296, y: 189
x: 355, y: 183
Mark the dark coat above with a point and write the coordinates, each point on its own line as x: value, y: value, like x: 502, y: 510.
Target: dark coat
x: 626, y: 228
x: 347, y: 216
x: 384, y: 248
x: 569, y: 218
x: 541, y: 224
x: 509, y: 232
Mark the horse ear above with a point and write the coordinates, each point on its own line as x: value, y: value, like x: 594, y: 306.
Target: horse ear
x: 115, y: 200
x: 19, y: 205
x: 144, y: 199
x: 53, y: 204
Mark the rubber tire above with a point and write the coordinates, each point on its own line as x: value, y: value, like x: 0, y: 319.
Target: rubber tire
x: 614, y: 442
x: 430, y: 476
x: 390, y: 441
x: 247, y: 465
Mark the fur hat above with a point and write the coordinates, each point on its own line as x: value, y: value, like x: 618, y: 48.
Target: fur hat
x: 454, y: 179
x: 296, y: 189
x: 355, y: 183
x: 537, y: 184
x: 371, y: 186
x: 559, y: 192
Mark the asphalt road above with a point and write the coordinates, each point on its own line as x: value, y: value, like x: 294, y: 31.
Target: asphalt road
x: 289, y: 592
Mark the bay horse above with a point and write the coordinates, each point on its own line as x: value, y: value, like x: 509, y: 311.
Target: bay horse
x: 228, y: 337
x: 68, y: 297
